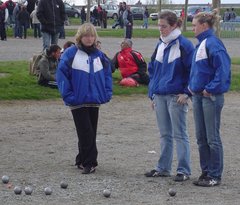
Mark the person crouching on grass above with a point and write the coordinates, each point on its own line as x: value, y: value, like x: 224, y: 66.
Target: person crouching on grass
x: 84, y: 79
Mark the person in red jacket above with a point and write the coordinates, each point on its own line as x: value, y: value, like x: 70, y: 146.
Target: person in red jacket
x: 131, y: 64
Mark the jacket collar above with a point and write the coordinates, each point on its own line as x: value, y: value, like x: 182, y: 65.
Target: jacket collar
x: 205, y: 34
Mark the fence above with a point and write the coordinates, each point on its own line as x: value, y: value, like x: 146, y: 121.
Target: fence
x: 230, y: 29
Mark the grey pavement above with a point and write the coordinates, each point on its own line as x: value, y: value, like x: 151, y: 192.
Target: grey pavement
x: 23, y: 49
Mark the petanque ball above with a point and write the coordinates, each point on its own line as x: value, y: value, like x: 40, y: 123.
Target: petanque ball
x: 5, y: 179
x: 48, y: 191
x: 172, y: 192
x: 17, y: 190
x: 64, y: 185
x: 28, y: 190
x: 106, y: 193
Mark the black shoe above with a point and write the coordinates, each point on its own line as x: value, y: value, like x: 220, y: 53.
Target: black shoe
x: 201, y: 178
x: 209, y: 182
x: 181, y: 177
x: 155, y: 173
x: 88, y: 170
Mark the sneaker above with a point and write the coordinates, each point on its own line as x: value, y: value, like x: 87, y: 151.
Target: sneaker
x: 209, y: 182
x: 155, y: 173
x: 201, y: 178
x: 88, y: 170
x: 80, y: 166
x: 180, y: 177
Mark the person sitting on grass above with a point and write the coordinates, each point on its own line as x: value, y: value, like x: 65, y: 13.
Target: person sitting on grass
x: 47, y: 66
x: 131, y: 65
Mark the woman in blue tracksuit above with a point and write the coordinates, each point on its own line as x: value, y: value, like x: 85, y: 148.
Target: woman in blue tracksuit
x: 84, y: 79
x: 169, y: 74
x: 209, y: 79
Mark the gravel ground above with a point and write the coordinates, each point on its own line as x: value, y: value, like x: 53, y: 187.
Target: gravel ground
x: 38, y: 145
x: 23, y: 49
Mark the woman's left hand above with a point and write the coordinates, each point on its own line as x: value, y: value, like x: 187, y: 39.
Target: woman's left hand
x: 182, y: 98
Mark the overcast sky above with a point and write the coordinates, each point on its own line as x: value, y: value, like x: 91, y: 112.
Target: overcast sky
x: 81, y: 2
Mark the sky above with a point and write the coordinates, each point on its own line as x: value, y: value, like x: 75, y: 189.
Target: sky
x: 81, y: 2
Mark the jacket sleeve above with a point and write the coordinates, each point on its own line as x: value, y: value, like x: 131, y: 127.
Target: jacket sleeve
x: 40, y: 13
x: 115, y: 62
x: 151, y: 73
x: 221, y: 63
x: 108, y: 77
x: 186, y: 57
x: 63, y: 78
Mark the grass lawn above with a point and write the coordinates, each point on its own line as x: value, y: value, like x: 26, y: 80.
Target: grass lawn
x: 16, y: 83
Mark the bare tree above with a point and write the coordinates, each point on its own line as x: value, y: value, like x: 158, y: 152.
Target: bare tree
x: 216, y: 5
x: 185, y: 16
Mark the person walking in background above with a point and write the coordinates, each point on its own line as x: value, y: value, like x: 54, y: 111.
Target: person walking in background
x: 209, y: 79
x: 84, y: 79
x: 51, y: 14
x: 24, y: 22
x: 3, y: 21
x: 145, y: 18
x: 47, y: 66
x: 128, y: 22
x: 83, y: 15
x: 169, y: 71
x: 104, y: 18
x: 36, y: 23
x: 10, y: 6
x: 16, y: 11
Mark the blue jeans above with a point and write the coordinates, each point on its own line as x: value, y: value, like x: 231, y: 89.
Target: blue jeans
x: 207, y: 117
x: 171, y: 119
x: 145, y: 23
x: 49, y: 39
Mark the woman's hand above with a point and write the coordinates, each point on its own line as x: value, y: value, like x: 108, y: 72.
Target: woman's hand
x: 182, y: 98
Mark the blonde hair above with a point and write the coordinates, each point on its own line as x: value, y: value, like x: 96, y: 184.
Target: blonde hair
x: 86, y: 29
x: 209, y: 18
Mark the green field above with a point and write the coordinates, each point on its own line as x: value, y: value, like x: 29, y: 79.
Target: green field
x: 17, y: 84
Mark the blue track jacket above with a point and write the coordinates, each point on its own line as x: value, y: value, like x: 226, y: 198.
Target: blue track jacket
x: 169, y: 70
x: 211, y: 66
x: 84, y: 79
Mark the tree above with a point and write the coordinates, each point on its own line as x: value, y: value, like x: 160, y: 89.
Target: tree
x: 185, y: 15
x: 216, y: 5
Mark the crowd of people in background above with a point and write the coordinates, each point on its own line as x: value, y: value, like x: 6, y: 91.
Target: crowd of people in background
x: 229, y: 17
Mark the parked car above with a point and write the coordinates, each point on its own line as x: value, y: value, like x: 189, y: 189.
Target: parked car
x: 71, y: 11
x: 193, y: 10
x: 154, y: 16
x: 137, y: 13
x: 112, y: 10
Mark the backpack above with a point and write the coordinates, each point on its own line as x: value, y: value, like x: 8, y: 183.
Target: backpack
x: 33, y: 64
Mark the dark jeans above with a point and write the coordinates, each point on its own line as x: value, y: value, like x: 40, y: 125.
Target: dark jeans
x: 128, y: 33
x: 23, y: 30
x: 86, y: 119
x: 3, y: 31
x: 37, y: 30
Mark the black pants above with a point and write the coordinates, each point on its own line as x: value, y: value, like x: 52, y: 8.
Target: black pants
x: 86, y: 119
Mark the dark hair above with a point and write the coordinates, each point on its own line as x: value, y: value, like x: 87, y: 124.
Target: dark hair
x: 68, y: 44
x: 171, y: 18
x: 52, y: 49
x: 209, y: 18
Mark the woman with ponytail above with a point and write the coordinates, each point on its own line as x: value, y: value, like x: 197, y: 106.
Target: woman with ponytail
x: 209, y: 79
